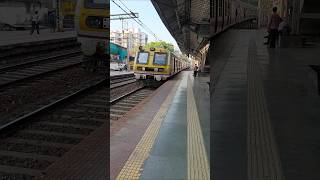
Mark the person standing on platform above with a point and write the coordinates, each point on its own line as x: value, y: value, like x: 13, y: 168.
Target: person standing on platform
x: 273, y: 26
x: 125, y: 68
x: 195, y: 71
x: 35, y: 22
x: 52, y: 20
x: 284, y: 28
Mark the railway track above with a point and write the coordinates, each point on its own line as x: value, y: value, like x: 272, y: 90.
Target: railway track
x: 123, y: 104
x: 30, y: 144
x: 39, y: 66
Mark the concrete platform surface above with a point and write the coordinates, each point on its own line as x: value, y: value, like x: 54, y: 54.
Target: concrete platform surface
x: 9, y: 38
x: 265, y: 110
x: 172, y: 145
x: 119, y: 73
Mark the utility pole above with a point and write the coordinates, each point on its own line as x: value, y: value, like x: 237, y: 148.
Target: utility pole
x: 122, y: 17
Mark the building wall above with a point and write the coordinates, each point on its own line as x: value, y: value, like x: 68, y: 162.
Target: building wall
x: 130, y: 38
x: 20, y: 11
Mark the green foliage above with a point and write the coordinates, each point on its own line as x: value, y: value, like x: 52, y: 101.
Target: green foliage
x: 160, y: 44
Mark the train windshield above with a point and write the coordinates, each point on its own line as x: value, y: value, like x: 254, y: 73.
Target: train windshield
x: 98, y: 4
x: 160, y: 58
x: 131, y: 58
x: 143, y: 57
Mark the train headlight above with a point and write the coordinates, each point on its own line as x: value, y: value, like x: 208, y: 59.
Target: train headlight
x: 143, y: 68
x: 156, y: 69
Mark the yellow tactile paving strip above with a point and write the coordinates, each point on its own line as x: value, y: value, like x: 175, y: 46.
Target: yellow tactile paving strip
x: 198, y: 167
x: 133, y: 167
x: 263, y: 158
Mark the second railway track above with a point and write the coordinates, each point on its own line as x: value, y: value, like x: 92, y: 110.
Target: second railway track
x: 30, y: 144
x: 39, y: 66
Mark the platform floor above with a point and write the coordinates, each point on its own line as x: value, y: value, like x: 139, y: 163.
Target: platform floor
x: 9, y: 38
x: 164, y: 139
x: 265, y: 110
x: 118, y: 73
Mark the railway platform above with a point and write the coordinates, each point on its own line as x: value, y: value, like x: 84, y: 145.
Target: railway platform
x: 14, y: 43
x: 119, y: 73
x: 164, y: 138
x: 264, y: 109
x: 261, y: 120
x: 15, y: 38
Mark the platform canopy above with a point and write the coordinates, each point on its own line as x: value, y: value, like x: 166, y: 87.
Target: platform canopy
x: 188, y: 26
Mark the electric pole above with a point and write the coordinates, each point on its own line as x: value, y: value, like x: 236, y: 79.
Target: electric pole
x: 122, y: 17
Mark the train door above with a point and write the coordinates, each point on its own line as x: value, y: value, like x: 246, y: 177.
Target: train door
x: 171, y: 58
x: 212, y: 17
x: 222, y: 13
x: 216, y: 14
x: 226, y: 11
x: 174, y: 65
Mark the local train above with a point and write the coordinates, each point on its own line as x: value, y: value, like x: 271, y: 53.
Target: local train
x: 92, y: 26
x: 225, y: 13
x: 68, y: 8
x: 157, y: 63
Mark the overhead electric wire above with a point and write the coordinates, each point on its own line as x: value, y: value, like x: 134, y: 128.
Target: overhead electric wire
x: 139, y: 21
x: 146, y: 27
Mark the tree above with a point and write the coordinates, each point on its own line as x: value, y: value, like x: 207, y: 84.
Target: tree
x: 160, y: 44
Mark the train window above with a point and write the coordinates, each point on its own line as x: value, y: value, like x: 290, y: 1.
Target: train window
x: 142, y: 58
x: 229, y: 8
x: 98, y: 4
x: 131, y: 58
x: 212, y: 10
x: 160, y: 58
x: 226, y: 8
x: 220, y: 8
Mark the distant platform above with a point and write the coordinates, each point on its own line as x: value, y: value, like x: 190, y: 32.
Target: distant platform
x: 118, y: 73
x: 13, y: 38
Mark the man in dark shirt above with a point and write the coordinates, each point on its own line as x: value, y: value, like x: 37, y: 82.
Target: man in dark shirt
x: 273, y: 26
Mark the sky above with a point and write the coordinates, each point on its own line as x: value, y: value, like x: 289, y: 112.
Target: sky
x: 147, y: 14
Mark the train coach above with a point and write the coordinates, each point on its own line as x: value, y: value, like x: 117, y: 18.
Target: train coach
x: 92, y: 25
x: 157, y: 63
x: 226, y: 13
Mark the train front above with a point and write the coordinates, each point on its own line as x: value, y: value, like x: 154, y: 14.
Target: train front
x: 153, y: 63
x: 92, y: 25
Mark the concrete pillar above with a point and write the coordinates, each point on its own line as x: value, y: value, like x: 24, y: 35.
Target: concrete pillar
x: 294, y: 19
